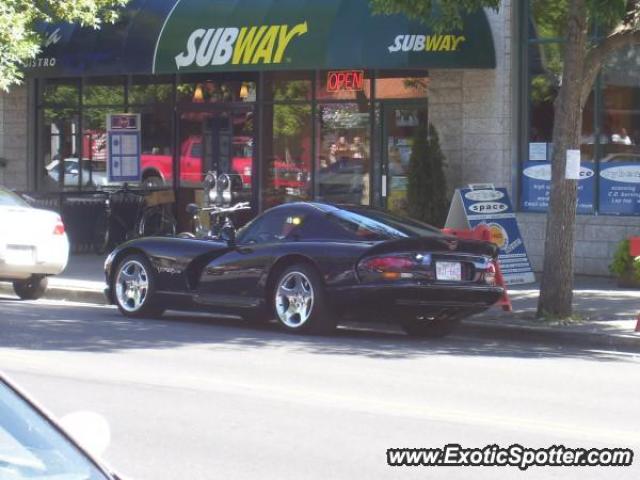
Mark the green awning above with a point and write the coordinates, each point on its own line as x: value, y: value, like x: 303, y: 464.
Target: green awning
x: 155, y: 36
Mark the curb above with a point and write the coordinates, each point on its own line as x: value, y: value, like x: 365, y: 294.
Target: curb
x: 478, y: 328
x: 482, y: 328
x: 60, y: 292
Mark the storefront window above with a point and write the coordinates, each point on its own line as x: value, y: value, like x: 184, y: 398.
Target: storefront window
x: 148, y: 90
x: 198, y: 89
x: 104, y: 91
x: 610, y: 156
x: 156, y: 158
x: 289, y: 86
x: 219, y: 141
x: 287, y: 161
x: 60, y: 150
x: 620, y: 138
x: 94, y: 146
x: 343, y: 174
x: 60, y: 92
x: 395, y: 85
x: 59, y: 143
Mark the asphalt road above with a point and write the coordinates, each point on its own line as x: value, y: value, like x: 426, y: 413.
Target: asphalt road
x: 191, y: 397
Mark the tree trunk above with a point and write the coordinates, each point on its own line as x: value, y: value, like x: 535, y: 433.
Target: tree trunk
x: 556, y: 290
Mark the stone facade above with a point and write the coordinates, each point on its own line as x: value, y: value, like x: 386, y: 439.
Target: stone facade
x: 596, y: 239
x: 472, y: 111
x: 13, y: 139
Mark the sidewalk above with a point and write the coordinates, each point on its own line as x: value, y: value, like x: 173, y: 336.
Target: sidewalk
x: 605, y: 314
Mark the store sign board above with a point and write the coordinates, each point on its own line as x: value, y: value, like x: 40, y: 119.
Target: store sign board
x: 123, y: 147
x: 492, y: 207
x: 620, y: 188
x: 199, y: 36
x: 536, y: 187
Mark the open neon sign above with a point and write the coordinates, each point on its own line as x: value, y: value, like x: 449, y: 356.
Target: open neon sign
x: 345, y: 81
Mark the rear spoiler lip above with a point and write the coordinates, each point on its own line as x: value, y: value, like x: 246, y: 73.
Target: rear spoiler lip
x: 443, y: 244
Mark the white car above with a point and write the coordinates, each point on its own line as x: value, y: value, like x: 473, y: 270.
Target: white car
x: 33, y: 245
x: 97, y: 178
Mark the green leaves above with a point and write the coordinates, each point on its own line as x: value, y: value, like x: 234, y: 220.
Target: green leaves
x: 441, y: 15
x: 427, y: 186
x: 20, y: 42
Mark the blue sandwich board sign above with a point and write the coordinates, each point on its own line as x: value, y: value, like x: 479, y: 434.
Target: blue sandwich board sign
x: 123, y: 147
x: 485, y: 204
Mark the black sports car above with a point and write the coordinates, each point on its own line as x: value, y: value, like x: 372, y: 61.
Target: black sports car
x: 310, y: 265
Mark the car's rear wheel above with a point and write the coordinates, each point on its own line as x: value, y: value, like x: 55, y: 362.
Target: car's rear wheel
x: 431, y: 327
x: 299, y: 301
x: 32, y: 288
x: 134, y: 288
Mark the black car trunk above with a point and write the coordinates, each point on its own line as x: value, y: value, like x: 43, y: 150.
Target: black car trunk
x: 435, y: 244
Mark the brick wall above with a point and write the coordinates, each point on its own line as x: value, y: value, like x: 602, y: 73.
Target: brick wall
x: 13, y: 138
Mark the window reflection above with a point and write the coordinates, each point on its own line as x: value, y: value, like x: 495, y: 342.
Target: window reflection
x: 60, y: 149
x: 287, y: 167
x: 344, y: 163
x: 202, y: 90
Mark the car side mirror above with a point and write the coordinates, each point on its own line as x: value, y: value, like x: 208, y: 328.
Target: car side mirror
x: 228, y: 234
x: 193, y: 209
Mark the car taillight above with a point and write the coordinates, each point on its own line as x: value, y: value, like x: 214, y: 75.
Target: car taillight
x: 394, y: 267
x: 490, y: 273
x: 59, y: 228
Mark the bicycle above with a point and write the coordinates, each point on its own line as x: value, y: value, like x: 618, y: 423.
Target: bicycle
x: 140, y: 221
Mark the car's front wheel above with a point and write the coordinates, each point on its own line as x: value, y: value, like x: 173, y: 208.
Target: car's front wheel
x: 134, y: 288
x: 299, y: 301
x: 431, y: 327
x: 32, y: 288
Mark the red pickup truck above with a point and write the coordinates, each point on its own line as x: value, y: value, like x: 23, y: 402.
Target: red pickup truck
x: 157, y: 169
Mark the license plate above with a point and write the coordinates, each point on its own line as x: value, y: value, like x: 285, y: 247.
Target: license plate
x: 19, y: 255
x: 451, y: 271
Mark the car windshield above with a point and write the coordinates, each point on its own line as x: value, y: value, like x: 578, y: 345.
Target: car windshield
x: 10, y: 199
x: 32, y: 448
x: 375, y: 225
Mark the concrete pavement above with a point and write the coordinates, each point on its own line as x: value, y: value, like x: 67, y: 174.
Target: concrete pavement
x: 605, y: 314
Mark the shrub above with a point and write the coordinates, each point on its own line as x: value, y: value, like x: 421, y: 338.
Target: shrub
x: 623, y: 264
x: 427, y: 187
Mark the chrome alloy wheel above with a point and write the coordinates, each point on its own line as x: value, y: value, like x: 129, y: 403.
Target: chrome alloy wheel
x: 294, y: 299
x: 132, y: 286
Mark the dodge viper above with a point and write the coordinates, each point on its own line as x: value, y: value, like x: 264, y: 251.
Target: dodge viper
x: 310, y: 265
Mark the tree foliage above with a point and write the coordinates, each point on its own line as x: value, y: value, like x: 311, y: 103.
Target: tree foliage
x: 441, y: 15
x: 19, y: 38
x: 427, y: 188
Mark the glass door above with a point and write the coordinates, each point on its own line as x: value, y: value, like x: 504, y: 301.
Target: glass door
x: 402, y: 123
x: 219, y: 142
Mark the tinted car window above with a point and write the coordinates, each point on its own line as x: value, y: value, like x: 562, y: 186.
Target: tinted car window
x: 273, y: 226
x: 10, y: 199
x: 376, y: 225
